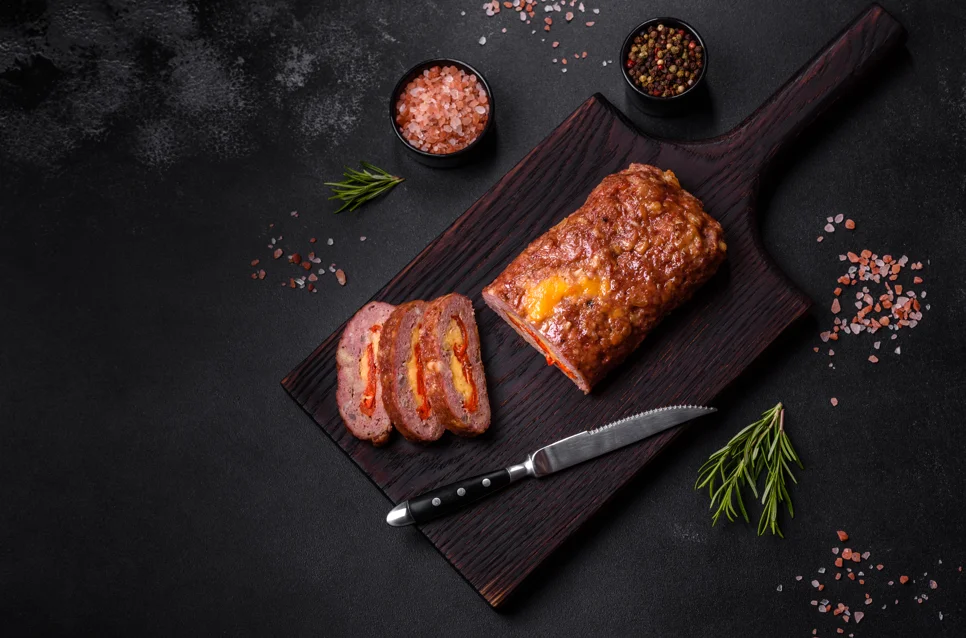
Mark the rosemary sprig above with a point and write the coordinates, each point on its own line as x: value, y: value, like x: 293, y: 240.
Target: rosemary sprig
x: 763, y: 445
x: 361, y: 186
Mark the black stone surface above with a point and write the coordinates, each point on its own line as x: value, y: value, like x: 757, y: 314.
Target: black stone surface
x: 154, y: 477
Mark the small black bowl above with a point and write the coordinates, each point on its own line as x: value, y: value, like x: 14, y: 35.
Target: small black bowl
x: 471, y: 152
x: 664, y: 106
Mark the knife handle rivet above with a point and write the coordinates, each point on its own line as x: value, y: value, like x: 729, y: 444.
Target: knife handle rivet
x: 436, y: 502
x: 486, y: 482
x: 461, y: 492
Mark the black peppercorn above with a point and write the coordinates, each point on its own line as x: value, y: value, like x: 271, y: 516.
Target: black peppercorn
x: 664, y: 61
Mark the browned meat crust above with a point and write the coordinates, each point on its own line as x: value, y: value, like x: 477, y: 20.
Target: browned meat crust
x: 455, y: 380
x: 588, y: 291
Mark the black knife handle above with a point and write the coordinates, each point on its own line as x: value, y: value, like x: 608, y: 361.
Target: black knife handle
x: 449, y: 498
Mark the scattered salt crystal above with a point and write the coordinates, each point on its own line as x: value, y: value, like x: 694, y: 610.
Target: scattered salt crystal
x: 839, y: 218
x: 779, y: 588
x: 876, y: 345
x: 834, y: 403
x: 814, y: 583
x: 798, y: 578
x: 828, y: 219
x: 604, y: 63
x: 596, y: 10
x: 482, y: 40
x: 835, y: 550
x: 819, y: 238
x: 564, y: 70
x: 329, y: 241
x: 821, y: 570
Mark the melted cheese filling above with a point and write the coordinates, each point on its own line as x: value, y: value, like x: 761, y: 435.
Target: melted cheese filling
x: 541, y: 299
x: 454, y: 342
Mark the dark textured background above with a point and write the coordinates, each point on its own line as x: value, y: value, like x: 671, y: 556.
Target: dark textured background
x: 154, y: 477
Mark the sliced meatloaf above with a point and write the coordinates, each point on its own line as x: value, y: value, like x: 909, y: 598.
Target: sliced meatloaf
x: 455, y: 381
x: 402, y: 372
x: 359, y: 392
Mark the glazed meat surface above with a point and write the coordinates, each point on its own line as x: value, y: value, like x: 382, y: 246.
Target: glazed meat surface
x: 587, y: 292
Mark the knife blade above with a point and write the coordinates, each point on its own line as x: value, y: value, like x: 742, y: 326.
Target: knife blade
x: 557, y: 456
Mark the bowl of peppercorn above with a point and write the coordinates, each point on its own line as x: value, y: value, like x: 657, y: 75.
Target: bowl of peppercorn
x: 664, y: 62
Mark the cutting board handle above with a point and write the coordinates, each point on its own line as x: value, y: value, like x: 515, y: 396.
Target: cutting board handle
x: 836, y: 69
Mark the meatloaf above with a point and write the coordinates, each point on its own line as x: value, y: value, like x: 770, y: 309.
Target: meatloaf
x: 587, y: 292
x: 455, y: 381
x: 359, y: 391
x: 403, y: 375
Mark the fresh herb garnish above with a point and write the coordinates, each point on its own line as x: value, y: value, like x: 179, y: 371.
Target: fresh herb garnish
x: 763, y: 445
x: 361, y: 186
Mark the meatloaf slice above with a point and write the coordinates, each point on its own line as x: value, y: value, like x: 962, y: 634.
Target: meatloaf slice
x: 359, y: 391
x: 455, y: 381
x: 402, y: 372
x: 588, y: 291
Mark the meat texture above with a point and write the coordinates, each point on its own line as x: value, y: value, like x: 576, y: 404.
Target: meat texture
x: 402, y: 372
x: 359, y: 392
x: 588, y: 291
x: 455, y: 380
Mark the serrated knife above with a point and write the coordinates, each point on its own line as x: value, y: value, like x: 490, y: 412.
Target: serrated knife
x: 555, y: 457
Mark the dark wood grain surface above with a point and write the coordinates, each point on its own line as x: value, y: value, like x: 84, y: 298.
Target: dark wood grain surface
x: 690, y: 358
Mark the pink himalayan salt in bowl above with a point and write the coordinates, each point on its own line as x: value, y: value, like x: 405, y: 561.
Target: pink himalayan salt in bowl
x: 441, y: 110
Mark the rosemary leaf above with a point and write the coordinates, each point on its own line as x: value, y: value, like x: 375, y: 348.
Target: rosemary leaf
x: 359, y: 187
x: 763, y: 446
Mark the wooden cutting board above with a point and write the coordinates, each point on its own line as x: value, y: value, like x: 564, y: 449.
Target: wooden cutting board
x: 690, y: 358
